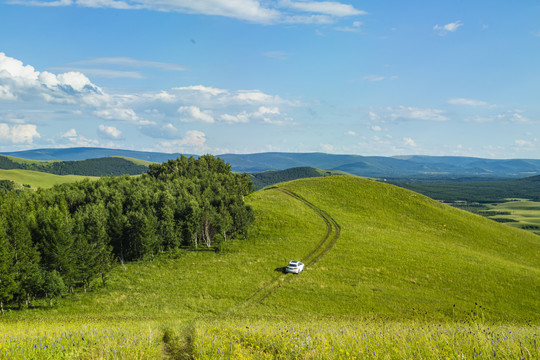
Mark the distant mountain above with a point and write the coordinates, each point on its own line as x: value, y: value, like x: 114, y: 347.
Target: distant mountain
x: 84, y: 153
x: 414, y: 166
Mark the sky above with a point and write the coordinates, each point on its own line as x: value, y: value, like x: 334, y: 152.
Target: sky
x: 373, y: 77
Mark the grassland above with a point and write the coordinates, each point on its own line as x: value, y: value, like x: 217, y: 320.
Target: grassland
x: 405, y: 272
x: 37, y: 179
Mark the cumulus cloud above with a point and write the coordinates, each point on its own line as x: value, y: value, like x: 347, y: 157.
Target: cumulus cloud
x: 18, y: 134
x: 122, y: 114
x: 193, y: 114
x: 71, y: 133
x: 411, y: 113
x: 450, y: 27
x: 72, y: 96
x: 409, y: 142
x: 109, y: 132
x: 256, y: 11
x: 193, y: 141
x: 23, y: 82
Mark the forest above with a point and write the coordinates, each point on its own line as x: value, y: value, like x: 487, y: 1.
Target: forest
x: 62, y: 239
x: 109, y: 166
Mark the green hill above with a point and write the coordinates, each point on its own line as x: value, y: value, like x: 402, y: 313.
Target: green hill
x: 271, y: 177
x: 381, y: 261
x: 92, y: 167
x: 36, y: 179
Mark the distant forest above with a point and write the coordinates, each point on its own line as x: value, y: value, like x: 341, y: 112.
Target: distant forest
x: 56, y: 240
x: 111, y: 166
x: 478, y: 191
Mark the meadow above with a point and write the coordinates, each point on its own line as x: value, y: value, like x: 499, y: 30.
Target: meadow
x: 37, y: 179
x: 408, y: 277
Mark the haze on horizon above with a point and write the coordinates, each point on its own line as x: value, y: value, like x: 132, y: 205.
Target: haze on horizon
x: 214, y: 76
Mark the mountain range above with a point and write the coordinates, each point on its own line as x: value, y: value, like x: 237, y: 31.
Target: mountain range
x: 372, y: 166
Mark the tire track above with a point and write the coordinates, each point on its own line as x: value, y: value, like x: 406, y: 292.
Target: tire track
x: 333, y: 230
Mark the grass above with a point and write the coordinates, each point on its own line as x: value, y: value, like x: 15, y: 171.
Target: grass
x: 360, y: 340
x: 405, y: 271
x: 524, y: 213
x: 38, y: 179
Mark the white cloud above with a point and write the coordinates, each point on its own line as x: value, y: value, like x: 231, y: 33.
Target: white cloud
x: 350, y: 133
x: 254, y: 96
x: 331, y: 8
x: 19, y: 82
x: 374, y: 78
x: 203, y: 89
x: 130, y: 62
x: 193, y: 113
x: 193, y: 141
x: 525, y: 143
x: 450, y: 27
x: 110, y: 132
x: 356, y: 27
x: 71, y: 133
x: 243, y: 117
x: 256, y: 11
x: 18, y: 134
x: 269, y: 115
x: 409, y: 142
x: 123, y: 114
x: 467, y: 102
x: 411, y: 113
x: 376, y: 128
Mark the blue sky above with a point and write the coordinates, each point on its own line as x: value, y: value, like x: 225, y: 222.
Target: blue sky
x: 244, y: 76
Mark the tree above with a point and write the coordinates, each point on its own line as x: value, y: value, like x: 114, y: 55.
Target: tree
x: 7, y: 281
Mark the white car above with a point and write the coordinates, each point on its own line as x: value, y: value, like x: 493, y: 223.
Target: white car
x: 295, y: 267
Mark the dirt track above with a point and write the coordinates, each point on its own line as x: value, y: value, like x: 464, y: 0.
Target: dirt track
x: 327, y: 242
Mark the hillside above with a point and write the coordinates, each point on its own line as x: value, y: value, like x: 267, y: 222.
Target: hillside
x: 382, y: 262
x: 271, y: 177
x: 36, y: 179
x: 431, y: 167
x: 92, y: 167
x: 399, y: 255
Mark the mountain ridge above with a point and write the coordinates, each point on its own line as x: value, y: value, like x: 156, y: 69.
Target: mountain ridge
x: 371, y: 166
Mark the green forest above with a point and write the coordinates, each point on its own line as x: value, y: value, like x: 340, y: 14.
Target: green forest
x: 62, y: 239
x: 109, y: 166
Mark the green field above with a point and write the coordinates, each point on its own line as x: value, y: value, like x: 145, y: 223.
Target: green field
x: 37, y: 179
x: 390, y: 274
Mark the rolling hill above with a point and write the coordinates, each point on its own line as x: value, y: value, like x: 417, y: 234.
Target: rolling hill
x: 110, y: 166
x: 37, y: 179
x: 381, y: 260
x: 416, y: 166
x: 271, y: 177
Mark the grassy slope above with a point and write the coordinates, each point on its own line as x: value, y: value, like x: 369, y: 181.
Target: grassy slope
x: 38, y: 179
x: 400, y: 256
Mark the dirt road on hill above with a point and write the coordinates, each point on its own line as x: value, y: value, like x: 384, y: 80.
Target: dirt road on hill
x: 327, y: 242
